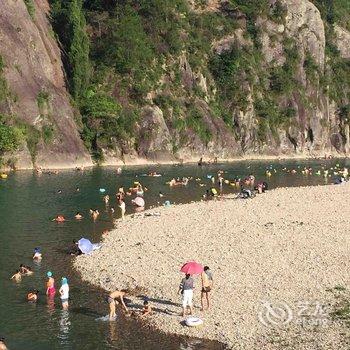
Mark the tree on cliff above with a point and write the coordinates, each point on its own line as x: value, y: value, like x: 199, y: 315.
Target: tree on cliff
x: 69, y: 23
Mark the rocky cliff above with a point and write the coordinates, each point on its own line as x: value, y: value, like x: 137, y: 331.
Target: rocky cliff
x: 35, y: 99
x: 180, y: 80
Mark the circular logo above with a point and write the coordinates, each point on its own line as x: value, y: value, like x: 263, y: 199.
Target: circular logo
x: 279, y: 314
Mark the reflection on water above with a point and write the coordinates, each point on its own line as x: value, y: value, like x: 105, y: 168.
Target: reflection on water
x: 64, y: 327
x: 50, y: 305
x: 27, y: 205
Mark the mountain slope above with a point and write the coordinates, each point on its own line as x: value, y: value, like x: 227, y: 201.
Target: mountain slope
x: 34, y: 96
x: 157, y: 80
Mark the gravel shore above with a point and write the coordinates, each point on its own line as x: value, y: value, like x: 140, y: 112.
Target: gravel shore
x: 279, y: 262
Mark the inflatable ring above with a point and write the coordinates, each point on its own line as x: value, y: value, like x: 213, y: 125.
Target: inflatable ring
x: 193, y: 321
x: 102, y: 190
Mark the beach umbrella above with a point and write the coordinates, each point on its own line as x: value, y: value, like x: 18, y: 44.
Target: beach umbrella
x: 140, y: 202
x: 192, y: 268
x: 85, y: 246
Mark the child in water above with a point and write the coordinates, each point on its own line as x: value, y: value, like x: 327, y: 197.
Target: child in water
x: 33, y: 296
x: 37, y: 254
x: 78, y: 216
x: 25, y: 270
x: 17, y: 276
x: 50, y: 285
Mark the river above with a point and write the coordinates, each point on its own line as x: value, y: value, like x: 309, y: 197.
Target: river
x: 29, y: 201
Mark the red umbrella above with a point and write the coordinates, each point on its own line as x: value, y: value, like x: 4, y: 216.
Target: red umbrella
x: 192, y: 268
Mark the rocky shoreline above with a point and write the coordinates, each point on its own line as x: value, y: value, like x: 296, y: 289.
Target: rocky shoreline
x: 144, y: 162
x: 270, y: 256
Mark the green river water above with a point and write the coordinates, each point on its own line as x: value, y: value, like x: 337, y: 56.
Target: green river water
x: 29, y: 201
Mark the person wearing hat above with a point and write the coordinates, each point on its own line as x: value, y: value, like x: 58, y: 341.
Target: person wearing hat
x: 64, y: 293
x: 50, y: 285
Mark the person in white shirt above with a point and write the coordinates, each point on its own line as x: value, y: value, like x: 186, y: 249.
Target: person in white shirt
x: 64, y: 293
x: 121, y: 205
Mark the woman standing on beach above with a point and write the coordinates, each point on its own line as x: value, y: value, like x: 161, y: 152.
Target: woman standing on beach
x: 207, y: 285
x: 186, y: 288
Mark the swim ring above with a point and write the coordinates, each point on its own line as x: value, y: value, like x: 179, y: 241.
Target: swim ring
x: 193, y: 321
x: 102, y: 190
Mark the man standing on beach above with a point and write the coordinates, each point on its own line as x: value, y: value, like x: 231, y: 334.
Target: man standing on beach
x: 186, y: 288
x: 207, y: 285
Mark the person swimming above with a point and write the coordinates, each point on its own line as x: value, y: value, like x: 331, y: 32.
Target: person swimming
x: 17, y: 276
x: 59, y: 218
x: 23, y: 269
x: 33, y: 296
x: 78, y: 216
x: 106, y: 199
x: 28, y: 270
x: 37, y: 254
x: 50, y: 285
x: 2, y: 344
x: 94, y: 214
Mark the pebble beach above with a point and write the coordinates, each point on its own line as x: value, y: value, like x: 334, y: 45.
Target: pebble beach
x: 277, y: 261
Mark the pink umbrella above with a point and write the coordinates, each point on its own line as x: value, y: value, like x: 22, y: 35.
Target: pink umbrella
x: 140, y: 202
x: 192, y: 268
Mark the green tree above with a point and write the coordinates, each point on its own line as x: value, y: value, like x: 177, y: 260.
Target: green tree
x: 69, y: 23
x: 10, y: 137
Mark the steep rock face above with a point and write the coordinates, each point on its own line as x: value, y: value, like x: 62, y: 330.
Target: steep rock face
x: 34, y: 74
x: 314, y: 130
x: 242, y: 87
x: 343, y: 41
x: 155, y: 140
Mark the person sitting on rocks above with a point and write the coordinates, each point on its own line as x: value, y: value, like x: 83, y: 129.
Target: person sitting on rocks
x: 147, y: 309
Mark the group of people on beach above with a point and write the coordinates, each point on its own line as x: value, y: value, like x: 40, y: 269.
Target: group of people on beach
x: 187, y: 287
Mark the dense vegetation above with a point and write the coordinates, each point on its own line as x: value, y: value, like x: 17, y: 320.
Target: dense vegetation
x: 337, y: 76
x: 135, y: 46
x: 121, y: 55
